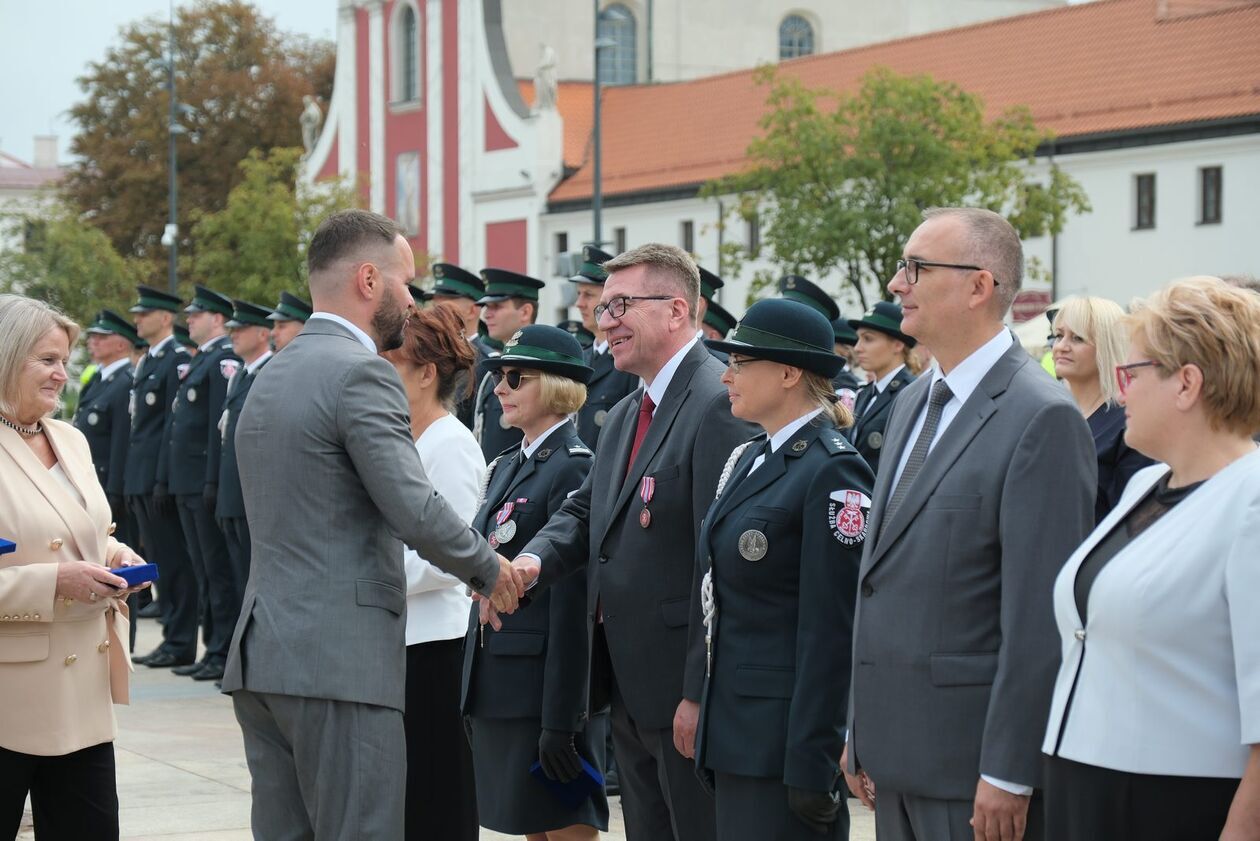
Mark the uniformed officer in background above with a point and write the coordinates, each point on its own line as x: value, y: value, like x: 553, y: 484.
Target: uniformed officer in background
x: 793, y: 287
x: 250, y: 330
x: 607, y: 385
x: 718, y: 322
x: 883, y: 351
x: 287, y: 319
x: 185, y: 340
x: 510, y: 304
x: 155, y: 382
x: 710, y: 283
x: 781, y: 545
x: 190, y: 466
x: 575, y: 328
x: 845, y: 382
x: 461, y: 290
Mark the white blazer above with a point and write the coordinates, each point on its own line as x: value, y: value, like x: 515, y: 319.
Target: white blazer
x: 1166, y: 666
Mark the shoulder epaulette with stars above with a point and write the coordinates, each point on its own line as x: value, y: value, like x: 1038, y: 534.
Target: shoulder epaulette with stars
x: 579, y: 450
x: 834, y: 443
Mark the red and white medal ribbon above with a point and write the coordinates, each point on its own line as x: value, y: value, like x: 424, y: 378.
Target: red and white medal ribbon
x: 646, y: 491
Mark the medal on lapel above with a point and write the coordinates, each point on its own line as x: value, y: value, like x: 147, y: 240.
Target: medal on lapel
x: 505, y: 528
x: 646, y: 490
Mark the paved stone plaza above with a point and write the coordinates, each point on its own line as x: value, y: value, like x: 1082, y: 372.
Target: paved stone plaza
x: 181, y: 763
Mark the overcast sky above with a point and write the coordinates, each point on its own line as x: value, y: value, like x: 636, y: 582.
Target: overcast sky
x: 46, y: 44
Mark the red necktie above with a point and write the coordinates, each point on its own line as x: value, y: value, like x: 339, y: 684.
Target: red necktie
x: 646, y: 408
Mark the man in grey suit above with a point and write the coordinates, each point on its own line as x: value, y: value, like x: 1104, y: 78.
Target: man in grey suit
x: 633, y: 525
x: 333, y: 487
x: 986, y: 488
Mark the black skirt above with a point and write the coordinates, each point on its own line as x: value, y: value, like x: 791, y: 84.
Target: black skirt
x: 513, y: 801
x: 1088, y: 803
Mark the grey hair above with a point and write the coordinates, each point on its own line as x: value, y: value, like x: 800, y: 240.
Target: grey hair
x: 667, y: 263
x: 23, y: 322
x: 993, y: 244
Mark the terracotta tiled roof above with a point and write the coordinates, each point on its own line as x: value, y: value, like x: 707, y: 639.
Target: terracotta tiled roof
x: 16, y: 174
x: 575, y: 103
x: 1109, y: 65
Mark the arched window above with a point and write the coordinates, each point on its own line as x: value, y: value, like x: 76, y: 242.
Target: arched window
x: 406, y: 54
x: 618, y: 63
x: 796, y: 37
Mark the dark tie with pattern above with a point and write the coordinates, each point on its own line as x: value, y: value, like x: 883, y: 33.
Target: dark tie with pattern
x: 936, y: 405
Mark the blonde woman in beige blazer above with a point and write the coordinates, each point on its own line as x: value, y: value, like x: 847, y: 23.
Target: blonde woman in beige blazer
x: 63, y: 620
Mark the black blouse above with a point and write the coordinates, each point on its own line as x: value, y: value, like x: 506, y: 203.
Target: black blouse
x: 1117, y: 461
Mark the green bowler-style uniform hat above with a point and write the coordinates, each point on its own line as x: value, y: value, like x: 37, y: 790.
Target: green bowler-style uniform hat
x: 207, y: 300
x: 155, y: 299
x: 502, y: 284
x: 884, y: 316
x: 796, y: 288
x: 717, y: 317
x: 592, y: 269
x: 845, y: 335
x: 181, y: 336
x: 452, y: 281
x: 109, y: 322
x: 544, y: 348
x: 290, y: 308
x: 245, y: 314
x: 787, y: 332
x: 709, y: 284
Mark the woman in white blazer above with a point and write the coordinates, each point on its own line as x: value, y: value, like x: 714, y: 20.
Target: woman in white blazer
x: 1154, y: 728
x: 63, y: 620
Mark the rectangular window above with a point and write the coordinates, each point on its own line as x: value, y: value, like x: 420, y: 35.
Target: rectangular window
x: 754, y: 234
x: 562, y: 242
x: 619, y: 241
x: 1210, y: 195
x: 688, y: 236
x: 1144, y: 205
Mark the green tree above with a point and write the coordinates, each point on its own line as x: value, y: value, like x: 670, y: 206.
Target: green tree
x: 243, y: 81
x: 255, y: 246
x: 69, y: 264
x: 840, y: 181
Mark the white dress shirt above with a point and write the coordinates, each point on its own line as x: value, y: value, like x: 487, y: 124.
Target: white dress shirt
x: 533, y: 446
x: 251, y: 367
x: 437, y: 607
x: 363, y: 338
x: 109, y: 370
x: 156, y: 349
x: 781, y: 437
x: 660, y: 384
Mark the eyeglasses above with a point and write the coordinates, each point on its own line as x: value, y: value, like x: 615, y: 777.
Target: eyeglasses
x: 617, y: 306
x: 513, y: 378
x: 735, y: 365
x: 1124, y: 374
x: 911, y: 268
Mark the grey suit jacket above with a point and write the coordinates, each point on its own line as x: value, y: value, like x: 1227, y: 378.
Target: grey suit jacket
x: 333, y: 487
x: 955, y: 648
x: 644, y: 578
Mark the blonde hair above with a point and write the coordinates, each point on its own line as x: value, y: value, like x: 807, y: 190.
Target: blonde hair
x: 819, y: 390
x: 667, y: 263
x: 1205, y: 322
x: 1101, y: 323
x: 23, y: 322
x: 560, y: 395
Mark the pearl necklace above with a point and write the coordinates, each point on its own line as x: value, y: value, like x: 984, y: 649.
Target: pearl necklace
x: 24, y: 431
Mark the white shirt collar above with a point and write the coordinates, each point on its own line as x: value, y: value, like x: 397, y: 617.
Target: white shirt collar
x: 781, y: 437
x: 661, y: 384
x: 210, y: 344
x: 529, y: 451
x: 882, y: 382
x: 600, y: 347
x: 156, y: 349
x: 364, y: 338
x: 966, y: 376
x: 117, y: 364
x: 251, y: 367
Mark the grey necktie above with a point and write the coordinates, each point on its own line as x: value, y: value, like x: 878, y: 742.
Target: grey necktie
x: 936, y: 405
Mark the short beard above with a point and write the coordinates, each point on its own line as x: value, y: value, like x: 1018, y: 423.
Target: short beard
x: 389, y: 324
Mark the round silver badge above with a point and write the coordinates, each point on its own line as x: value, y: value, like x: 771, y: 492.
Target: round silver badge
x: 192, y: 395
x: 600, y: 416
x: 753, y: 545
x: 506, y: 532
x: 93, y: 418
x: 150, y: 399
x: 875, y: 440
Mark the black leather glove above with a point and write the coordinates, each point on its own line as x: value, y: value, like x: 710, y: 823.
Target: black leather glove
x: 162, y: 502
x: 818, y: 810
x: 210, y: 497
x: 558, y: 755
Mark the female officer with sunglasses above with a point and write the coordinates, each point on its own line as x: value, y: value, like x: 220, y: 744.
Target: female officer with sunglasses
x: 782, y: 544
x: 525, y: 686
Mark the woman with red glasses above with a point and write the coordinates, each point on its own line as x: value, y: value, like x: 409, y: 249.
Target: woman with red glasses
x: 1154, y: 728
x: 524, y: 689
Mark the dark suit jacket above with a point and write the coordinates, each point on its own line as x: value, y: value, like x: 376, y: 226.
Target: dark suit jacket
x: 231, y: 502
x: 606, y: 389
x: 191, y: 458
x: 103, y: 419
x: 872, y: 411
x: 955, y: 649
x: 774, y: 704
x: 152, y: 393
x: 644, y: 577
x: 538, y: 665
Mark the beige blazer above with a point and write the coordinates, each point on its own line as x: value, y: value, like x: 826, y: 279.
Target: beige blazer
x: 61, y: 663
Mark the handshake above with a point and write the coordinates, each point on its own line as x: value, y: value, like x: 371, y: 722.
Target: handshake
x: 515, y: 577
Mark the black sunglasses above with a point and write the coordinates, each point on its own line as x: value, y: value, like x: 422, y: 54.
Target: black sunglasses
x: 513, y: 377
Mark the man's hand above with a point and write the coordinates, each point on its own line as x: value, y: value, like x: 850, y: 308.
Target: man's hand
x: 530, y: 569
x: 999, y: 815
x: 686, y: 718
x: 859, y: 784
x: 508, y: 588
